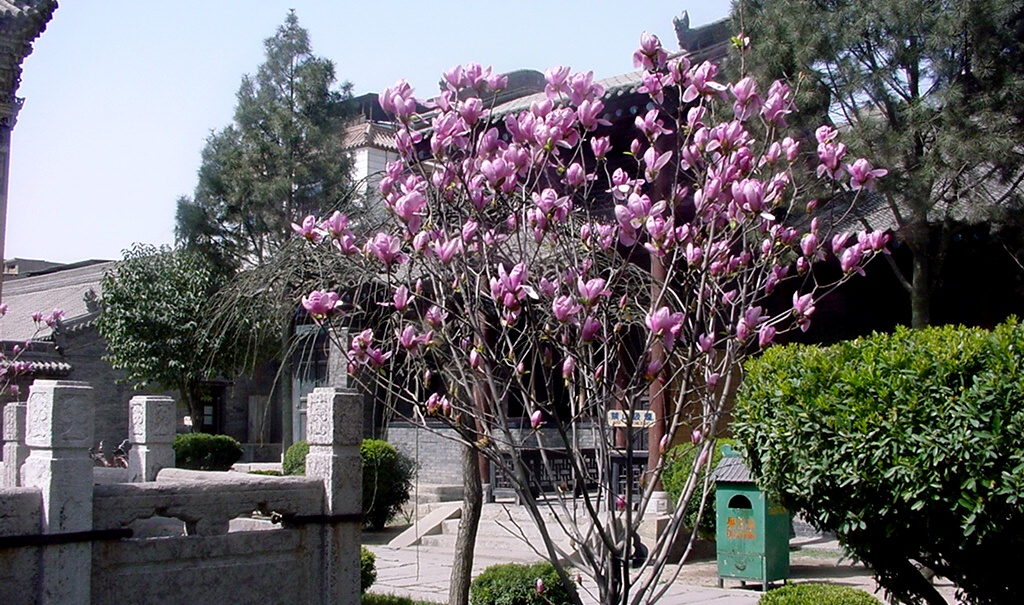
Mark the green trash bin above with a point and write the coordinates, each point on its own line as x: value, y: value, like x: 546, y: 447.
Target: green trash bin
x: 752, y: 532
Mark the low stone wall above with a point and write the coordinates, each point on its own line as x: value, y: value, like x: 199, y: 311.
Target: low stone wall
x: 65, y: 540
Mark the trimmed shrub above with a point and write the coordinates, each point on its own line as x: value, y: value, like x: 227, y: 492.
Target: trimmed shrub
x: 206, y: 452
x: 367, y: 569
x: 817, y: 594
x: 678, y: 464
x: 387, y: 481
x: 907, y: 446
x: 294, y: 462
x: 387, y: 478
x: 516, y: 584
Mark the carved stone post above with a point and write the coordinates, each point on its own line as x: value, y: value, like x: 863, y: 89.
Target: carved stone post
x: 334, y: 431
x: 59, y: 433
x: 15, y: 450
x: 151, y: 432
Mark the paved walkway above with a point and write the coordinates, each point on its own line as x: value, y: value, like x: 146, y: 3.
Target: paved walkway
x: 422, y: 572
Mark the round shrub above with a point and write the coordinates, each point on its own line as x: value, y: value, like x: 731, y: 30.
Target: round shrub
x: 387, y: 481
x: 516, y: 584
x: 907, y: 446
x: 387, y: 477
x: 678, y: 464
x: 367, y: 569
x: 817, y: 594
x: 205, y: 452
x: 294, y: 462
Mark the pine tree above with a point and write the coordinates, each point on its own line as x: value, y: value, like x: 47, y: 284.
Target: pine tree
x: 924, y: 87
x: 280, y: 159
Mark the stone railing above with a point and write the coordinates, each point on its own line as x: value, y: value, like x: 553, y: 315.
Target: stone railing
x: 65, y: 540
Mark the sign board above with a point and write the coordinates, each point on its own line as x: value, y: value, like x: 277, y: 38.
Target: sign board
x: 641, y: 418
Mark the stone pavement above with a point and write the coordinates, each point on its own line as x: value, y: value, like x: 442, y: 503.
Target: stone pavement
x: 422, y: 571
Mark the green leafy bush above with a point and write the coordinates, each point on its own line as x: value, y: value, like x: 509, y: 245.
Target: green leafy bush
x: 516, y: 584
x: 678, y: 464
x: 387, y: 481
x: 206, y: 452
x: 367, y: 569
x: 387, y: 478
x: 294, y: 462
x: 907, y: 446
x: 817, y: 594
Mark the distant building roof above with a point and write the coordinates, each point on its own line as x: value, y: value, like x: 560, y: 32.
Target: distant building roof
x: 64, y: 288
x: 378, y: 135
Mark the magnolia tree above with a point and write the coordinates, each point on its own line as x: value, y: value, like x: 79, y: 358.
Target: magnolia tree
x: 523, y: 273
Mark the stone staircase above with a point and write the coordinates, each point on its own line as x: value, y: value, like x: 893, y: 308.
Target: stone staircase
x: 506, y: 533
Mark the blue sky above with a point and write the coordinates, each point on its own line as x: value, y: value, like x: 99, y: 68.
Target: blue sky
x: 121, y: 94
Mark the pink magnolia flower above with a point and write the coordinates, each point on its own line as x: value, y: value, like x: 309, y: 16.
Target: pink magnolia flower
x: 650, y: 55
x: 653, y: 369
x: 320, y: 304
x: 862, y: 176
x: 402, y: 298
x: 666, y: 324
x: 748, y: 102
x: 387, y: 248
x: 620, y: 502
x: 803, y: 308
x: 600, y: 146
x: 568, y: 368
x: 591, y: 328
x: 778, y: 104
x: 398, y: 100
x: 591, y: 290
x: 565, y: 309
x: 412, y: 341
x: 435, y: 316
x: 55, y: 316
x: 702, y: 83
x: 536, y: 419
x: 3, y: 309
x: 696, y: 436
x: 540, y: 586
x: 308, y: 229
x: 765, y: 336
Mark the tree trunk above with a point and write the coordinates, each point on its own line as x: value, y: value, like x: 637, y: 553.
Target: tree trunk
x: 465, y: 544
x: 921, y: 288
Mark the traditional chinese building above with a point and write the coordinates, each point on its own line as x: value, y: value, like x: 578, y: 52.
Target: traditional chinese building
x: 21, y: 22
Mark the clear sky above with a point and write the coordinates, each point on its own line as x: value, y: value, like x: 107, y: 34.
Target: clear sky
x: 120, y: 95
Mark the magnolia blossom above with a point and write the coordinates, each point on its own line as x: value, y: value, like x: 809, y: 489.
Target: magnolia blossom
x: 666, y: 324
x: 862, y: 176
x: 309, y: 229
x: 320, y: 304
x: 536, y: 419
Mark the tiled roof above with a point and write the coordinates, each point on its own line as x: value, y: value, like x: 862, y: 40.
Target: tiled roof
x: 49, y: 368
x: 25, y: 17
x: 732, y: 470
x: 63, y: 290
x: 369, y: 134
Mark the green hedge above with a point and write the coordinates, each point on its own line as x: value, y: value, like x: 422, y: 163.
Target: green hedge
x: 387, y: 478
x: 817, y: 594
x: 516, y: 584
x: 908, y: 446
x: 206, y: 452
x: 367, y: 569
x: 678, y: 465
x: 294, y: 462
x: 387, y: 481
